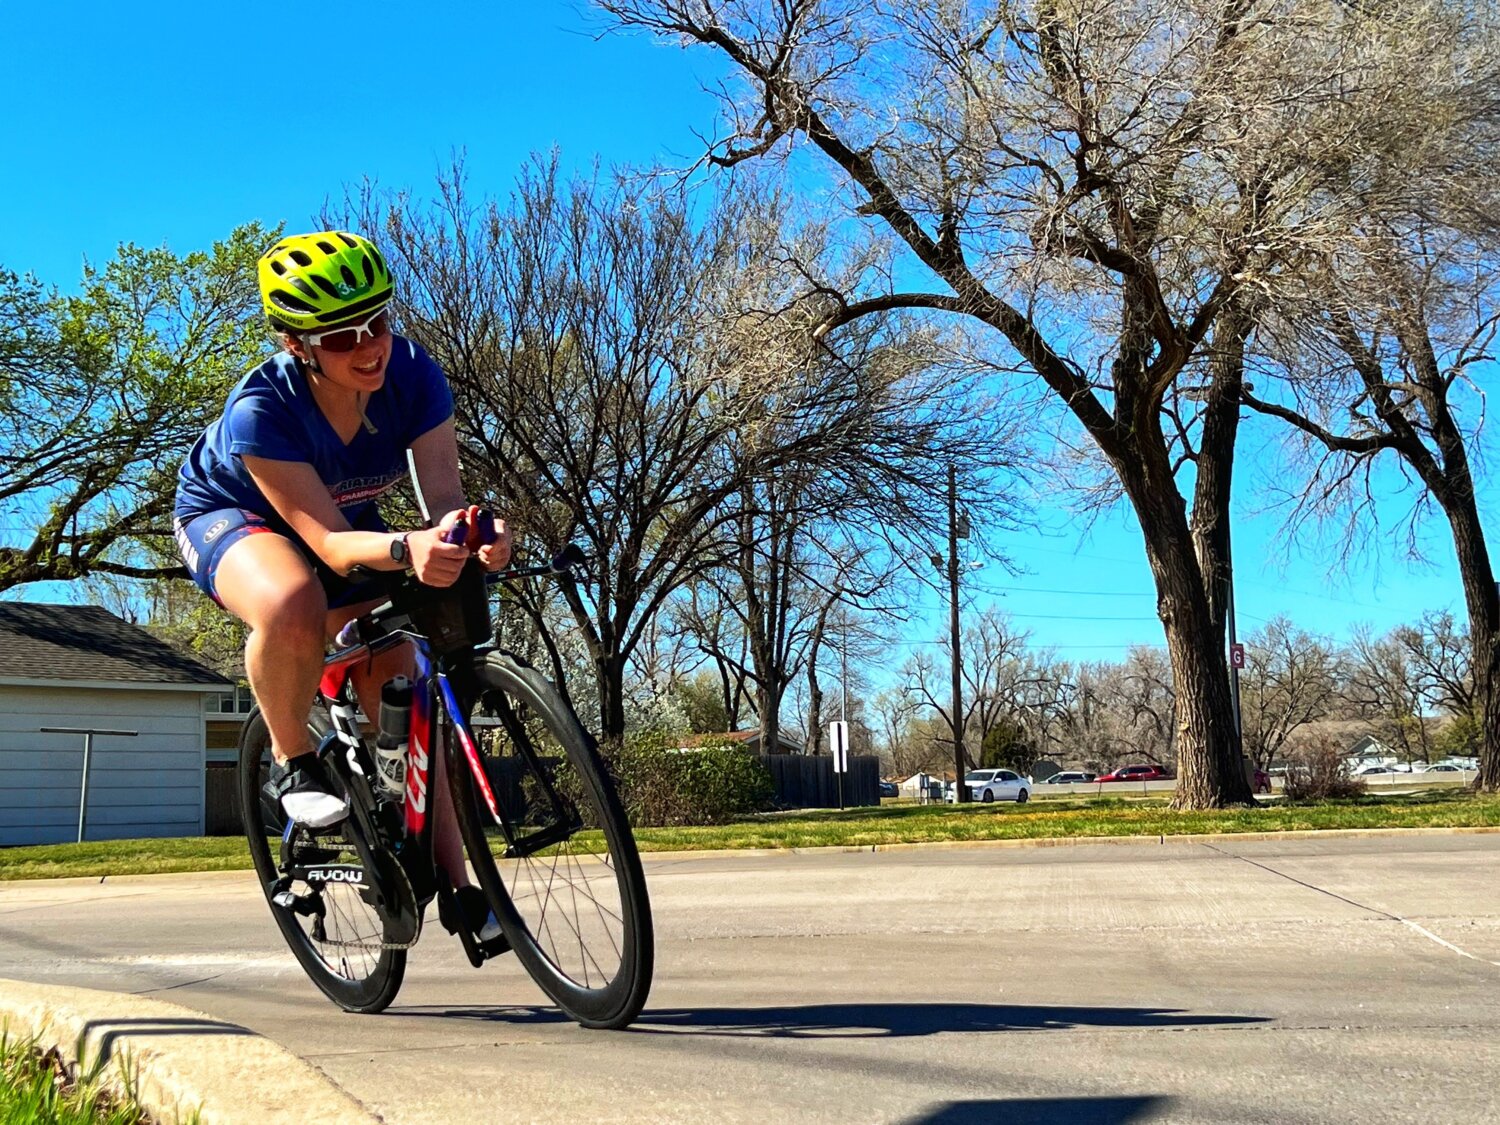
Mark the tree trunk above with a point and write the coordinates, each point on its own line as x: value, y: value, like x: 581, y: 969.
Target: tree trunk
x: 814, y: 714
x: 1209, y: 773
x: 611, y: 671
x: 1483, y: 603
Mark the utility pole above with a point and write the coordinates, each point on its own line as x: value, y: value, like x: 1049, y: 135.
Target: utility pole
x: 844, y: 673
x: 960, y: 790
x: 1235, y: 655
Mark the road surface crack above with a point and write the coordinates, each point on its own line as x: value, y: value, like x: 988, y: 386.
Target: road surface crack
x: 1407, y: 922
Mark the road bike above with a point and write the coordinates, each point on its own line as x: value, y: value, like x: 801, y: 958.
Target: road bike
x: 544, y: 834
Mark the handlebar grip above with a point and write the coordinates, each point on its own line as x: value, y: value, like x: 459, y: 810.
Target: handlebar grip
x: 484, y: 524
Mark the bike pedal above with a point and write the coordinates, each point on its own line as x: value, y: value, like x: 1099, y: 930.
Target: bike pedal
x: 494, y: 947
x: 452, y: 917
x: 306, y: 905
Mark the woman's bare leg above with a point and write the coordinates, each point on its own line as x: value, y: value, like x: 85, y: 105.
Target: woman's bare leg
x: 266, y: 582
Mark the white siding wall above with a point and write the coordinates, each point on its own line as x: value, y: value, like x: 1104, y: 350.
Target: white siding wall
x: 150, y: 785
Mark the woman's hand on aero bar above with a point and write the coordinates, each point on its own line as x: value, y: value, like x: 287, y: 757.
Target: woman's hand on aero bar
x: 494, y: 554
x: 437, y: 563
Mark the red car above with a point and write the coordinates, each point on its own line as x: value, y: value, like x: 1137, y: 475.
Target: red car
x: 1137, y: 773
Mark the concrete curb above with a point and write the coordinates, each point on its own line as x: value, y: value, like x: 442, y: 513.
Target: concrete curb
x: 179, y: 1062
x: 1075, y: 841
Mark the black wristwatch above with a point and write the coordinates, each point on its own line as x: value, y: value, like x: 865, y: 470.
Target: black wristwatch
x: 399, y: 551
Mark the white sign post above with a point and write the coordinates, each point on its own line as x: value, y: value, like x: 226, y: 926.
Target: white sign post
x: 838, y: 742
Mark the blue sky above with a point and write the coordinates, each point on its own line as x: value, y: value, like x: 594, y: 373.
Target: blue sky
x: 174, y: 122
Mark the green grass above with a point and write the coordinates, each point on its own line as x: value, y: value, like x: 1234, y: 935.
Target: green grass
x: 889, y: 824
x: 125, y: 857
x: 1109, y: 816
x: 36, y: 1088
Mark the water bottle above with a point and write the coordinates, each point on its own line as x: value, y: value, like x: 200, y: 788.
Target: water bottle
x: 392, y: 733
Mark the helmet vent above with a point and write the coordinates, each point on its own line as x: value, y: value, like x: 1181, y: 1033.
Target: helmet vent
x: 347, y: 240
x: 278, y: 269
x: 324, y: 284
x: 301, y: 257
x: 327, y: 248
x: 369, y: 270
x: 285, y: 300
x: 303, y: 288
x: 348, y: 275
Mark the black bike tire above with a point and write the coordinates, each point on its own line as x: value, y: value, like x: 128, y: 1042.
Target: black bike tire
x: 619, y: 1002
x: 376, y: 991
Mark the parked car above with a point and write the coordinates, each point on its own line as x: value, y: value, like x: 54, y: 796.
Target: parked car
x: 889, y: 789
x: 1067, y: 777
x: 997, y: 785
x: 1137, y: 773
x: 1443, y: 767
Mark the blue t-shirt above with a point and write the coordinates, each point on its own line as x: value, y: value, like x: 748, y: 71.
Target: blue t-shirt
x: 272, y: 414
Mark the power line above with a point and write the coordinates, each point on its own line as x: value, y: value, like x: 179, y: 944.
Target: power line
x: 1071, y: 593
x: 1077, y: 617
x: 1037, y: 644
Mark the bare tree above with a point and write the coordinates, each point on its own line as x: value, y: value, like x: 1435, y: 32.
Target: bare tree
x: 1105, y: 184
x: 1440, y: 654
x: 995, y: 669
x: 704, y: 618
x: 1386, y: 689
x: 1106, y: 714
x: 1291, y: 678
x: 625, y: 376
x: 1378, y: 369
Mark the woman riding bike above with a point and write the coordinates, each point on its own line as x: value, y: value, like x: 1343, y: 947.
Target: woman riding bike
x: 276, y: 503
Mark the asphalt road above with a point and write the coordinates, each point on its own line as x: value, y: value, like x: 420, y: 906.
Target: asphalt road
x: 1244, y: 981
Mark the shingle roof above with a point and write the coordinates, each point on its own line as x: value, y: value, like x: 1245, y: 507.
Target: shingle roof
x: 87, y: 642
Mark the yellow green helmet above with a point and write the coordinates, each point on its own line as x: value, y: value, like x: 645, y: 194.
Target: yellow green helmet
x: 309, y: 280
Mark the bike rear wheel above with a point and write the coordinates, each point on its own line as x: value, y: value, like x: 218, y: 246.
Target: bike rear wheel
x: 558, y: 863
x: 340, y: 944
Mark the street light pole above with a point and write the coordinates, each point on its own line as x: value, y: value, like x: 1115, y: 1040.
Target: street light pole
x: 960, y: 791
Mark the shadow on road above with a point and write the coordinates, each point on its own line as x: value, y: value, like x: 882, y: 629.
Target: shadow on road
x: 864, y: 1020
x: 1043, y: 1111
x: 860, y: 1020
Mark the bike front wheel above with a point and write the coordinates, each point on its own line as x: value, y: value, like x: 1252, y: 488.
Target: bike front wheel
x: 555, y: 856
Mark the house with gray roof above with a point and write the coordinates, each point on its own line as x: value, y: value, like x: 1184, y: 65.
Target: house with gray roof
x: 67, y: 669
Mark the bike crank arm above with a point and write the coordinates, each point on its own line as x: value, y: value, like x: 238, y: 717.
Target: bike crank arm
x: 385, y: 887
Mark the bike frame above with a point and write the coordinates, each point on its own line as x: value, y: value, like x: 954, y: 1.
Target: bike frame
x: 431, y: 690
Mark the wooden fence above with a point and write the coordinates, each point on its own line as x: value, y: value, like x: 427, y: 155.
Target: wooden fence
x: 221, y: 800
x: 808, y: 782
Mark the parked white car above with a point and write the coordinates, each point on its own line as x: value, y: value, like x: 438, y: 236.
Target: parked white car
x: 997, y: 785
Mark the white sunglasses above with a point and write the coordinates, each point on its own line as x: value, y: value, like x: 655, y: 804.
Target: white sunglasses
x: 350, y: 336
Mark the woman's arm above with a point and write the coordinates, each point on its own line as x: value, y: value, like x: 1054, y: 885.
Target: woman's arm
x: 435, y: 455
x: 301, y: 498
